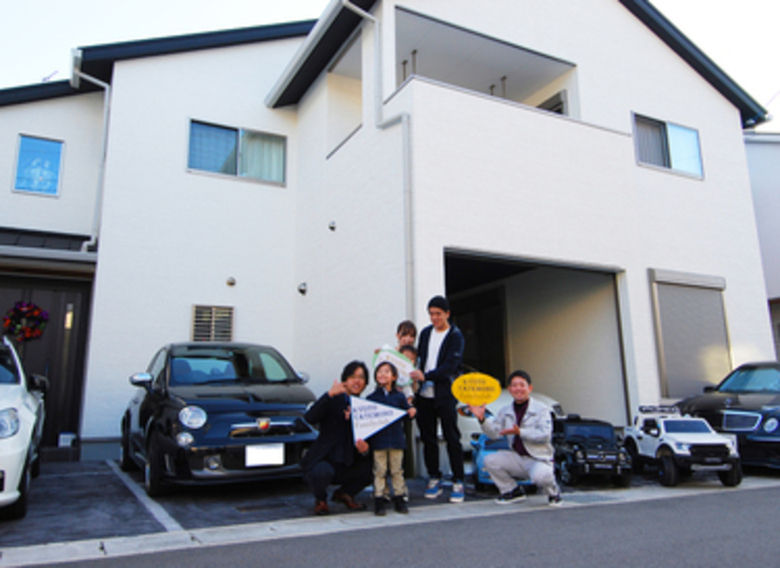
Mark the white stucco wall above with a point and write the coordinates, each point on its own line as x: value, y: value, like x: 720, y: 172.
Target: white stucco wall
x: 78, y: 122
x: 171, y: 238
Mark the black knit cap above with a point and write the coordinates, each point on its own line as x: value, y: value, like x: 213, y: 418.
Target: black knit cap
x: 439, y: 302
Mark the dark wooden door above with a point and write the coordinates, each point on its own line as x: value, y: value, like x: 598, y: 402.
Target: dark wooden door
x: 59, y: 354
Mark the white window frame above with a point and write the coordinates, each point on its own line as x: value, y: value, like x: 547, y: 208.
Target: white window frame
x: 667, y: 144
x: 239, y: 132
x: 28, y: 191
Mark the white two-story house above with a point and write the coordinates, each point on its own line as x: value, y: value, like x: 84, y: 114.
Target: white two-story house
x: 571, y: 175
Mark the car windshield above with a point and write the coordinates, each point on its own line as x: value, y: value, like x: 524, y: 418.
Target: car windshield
x: 585, y: 431
x: 686, y: 427
x: 763, y: 379
x: 195, y: 365
x: 8, y: 372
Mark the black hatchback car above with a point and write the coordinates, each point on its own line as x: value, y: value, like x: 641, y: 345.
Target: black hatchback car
x: 747, y: 404
x: 589, y: 447
x: 216, y: 412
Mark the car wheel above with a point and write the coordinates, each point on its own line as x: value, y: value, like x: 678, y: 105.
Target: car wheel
x: 568, y: 475
x: 18, y: 509
x: 667, y: 470
x: 732, y: 477
x: 35, y: 466
x: 636, y: 461
x: 126, y: 462
x: 153, y: 471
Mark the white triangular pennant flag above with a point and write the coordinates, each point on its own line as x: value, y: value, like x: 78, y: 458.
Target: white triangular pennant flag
x: 370, y: 417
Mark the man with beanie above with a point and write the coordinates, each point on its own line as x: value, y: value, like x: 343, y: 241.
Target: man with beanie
x: 440, y: 356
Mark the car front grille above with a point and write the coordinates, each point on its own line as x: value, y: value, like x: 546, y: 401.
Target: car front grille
x: 601, y: 457
x: 705, y: 451
x: 277, y: 427
x: 740, y: 421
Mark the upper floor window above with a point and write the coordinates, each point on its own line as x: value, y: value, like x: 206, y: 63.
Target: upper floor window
x: 38, y: 167
x: 237, y: 152
x: 668, y: 145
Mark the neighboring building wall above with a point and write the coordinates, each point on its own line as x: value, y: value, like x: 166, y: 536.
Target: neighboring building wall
x: 763, y: 154
x: 171, y: 238
x: 78, y: 122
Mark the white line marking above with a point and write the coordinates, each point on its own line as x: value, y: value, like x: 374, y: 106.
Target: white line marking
x: 154, y: 508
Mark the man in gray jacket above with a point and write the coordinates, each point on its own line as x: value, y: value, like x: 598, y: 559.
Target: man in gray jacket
x: 528, y: 426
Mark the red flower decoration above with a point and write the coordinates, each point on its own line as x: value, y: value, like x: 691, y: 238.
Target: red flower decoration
x: 25, y: 321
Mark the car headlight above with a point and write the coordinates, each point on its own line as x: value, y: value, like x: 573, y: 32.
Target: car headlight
x: 579, y: 456
x: 184, y: 439
x: 193, y: 417
x: 770, y: 425
x: 9, y: 422
x: 682, y: 446
x: 622, y: 458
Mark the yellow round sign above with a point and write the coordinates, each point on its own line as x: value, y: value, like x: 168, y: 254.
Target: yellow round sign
x: 476, y: 389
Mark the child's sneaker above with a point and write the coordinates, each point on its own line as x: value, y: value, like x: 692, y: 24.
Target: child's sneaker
x: 554, y: 500
x: 458, y: 492
x: 379, y: 506
x: 517, y: 494
x: 434, y: 488
x: 400, y: 505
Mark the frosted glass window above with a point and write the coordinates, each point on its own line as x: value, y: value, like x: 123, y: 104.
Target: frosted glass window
x: 38, y: 168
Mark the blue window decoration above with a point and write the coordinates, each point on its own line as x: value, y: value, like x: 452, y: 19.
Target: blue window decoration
x: 38, y: 170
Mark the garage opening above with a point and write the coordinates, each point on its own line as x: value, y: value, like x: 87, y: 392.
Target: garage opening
x: 559, y: 323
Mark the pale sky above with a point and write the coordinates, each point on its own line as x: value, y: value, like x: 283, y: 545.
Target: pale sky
x: 36, y: 36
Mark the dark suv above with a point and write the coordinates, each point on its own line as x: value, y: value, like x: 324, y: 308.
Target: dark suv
x: 585, y: 446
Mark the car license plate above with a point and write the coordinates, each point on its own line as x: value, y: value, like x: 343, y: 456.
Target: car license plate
x: 265, y: 454
x: 602, y: 466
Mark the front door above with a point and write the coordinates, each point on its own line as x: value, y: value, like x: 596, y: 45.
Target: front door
x: 60, y: 352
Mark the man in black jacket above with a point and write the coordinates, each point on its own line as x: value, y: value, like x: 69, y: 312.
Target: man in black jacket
x: 335, y: 457
x: 440, y: 356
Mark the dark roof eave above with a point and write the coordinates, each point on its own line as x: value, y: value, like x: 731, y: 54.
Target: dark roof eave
x: 98, y: 61
x: 752, y: 113
x: 330, y: 41
x: 37, y: 92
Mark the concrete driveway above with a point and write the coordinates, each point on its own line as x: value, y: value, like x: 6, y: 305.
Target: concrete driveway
x: 92, y: 509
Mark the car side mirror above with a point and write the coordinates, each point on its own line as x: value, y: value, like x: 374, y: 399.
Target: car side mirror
x: 39, y: 383
x: 304, y: 377
x: 709, y: 388
x: 653, y: 432
x: 143, y: 380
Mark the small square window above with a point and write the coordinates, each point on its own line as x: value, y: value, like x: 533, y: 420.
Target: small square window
x: 237, y: 152
x: 668, y: 145
x: 38, y: 167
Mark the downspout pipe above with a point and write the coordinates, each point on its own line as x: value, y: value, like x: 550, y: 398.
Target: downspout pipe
x: 75, y: 82
x: 405, y: 120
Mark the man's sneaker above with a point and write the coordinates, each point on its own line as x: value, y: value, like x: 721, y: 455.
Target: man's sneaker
x: 458, y: 492
x: 554, y: 500
x: 517, y: 494
x: 434, y: 488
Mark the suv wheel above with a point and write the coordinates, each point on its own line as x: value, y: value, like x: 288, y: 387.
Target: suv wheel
x: 668, y: 471
x: 636, y: 461
x: 732, y: 477
x: 568, y: 475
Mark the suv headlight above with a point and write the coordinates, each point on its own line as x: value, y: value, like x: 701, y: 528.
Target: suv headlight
x: 9, y: 422
x: 770, y: 425
x: 682, y: 447
x: 193, y: 417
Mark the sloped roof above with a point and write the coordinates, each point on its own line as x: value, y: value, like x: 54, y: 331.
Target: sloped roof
x: 98, y: 60
x: 326, y: 36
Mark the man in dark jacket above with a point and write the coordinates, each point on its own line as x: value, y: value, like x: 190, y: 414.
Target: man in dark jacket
x: 440, y: 354
x: 335, y: 457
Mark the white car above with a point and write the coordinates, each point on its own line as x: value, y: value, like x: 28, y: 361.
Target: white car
x: 679, y: 445
x: 470, y: 428
x: 21, y: 426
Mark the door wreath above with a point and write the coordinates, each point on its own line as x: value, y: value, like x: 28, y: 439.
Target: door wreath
x: 25, y: 321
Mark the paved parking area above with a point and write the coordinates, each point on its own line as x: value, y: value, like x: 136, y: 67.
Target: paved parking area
x: 94, y: 501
